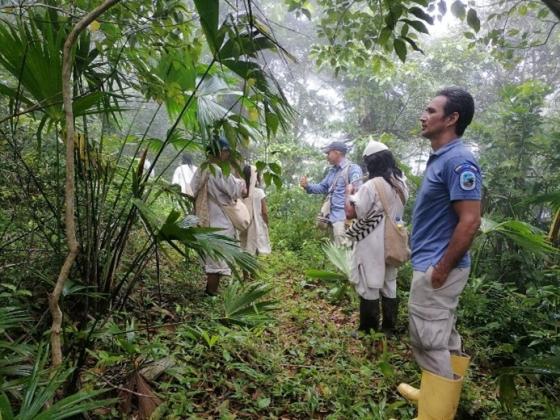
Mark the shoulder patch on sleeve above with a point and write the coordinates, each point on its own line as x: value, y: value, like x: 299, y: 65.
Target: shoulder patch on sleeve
x: 467, y: 180
x: 465, y: 167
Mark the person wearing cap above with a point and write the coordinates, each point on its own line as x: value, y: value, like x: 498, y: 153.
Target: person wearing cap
x: 374, y: 280
x: 212, y: 190
x: 342, y: 173
x: 445, y: 220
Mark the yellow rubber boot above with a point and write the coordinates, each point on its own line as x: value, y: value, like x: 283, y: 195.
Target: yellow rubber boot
x: 459, y: 365
x: 439, y: 397
x: 411, y: 393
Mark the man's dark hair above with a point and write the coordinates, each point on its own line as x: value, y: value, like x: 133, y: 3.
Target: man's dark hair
x: 460, y: 101
x: 383, y: 164
x: 187, y: 159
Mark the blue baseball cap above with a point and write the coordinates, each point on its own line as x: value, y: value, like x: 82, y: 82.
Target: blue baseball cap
x: 336, y: 145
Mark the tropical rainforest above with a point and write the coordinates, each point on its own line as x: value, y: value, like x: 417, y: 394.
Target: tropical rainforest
x: 103, y: 312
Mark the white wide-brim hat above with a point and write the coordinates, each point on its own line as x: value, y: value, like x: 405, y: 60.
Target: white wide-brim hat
x: 374, y: 147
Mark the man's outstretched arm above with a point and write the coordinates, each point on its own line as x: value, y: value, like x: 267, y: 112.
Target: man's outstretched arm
x: 320, y: 188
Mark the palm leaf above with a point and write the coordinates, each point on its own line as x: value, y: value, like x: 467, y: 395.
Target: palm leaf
x: 32, y: 54
x: 552, y: 198
x: 204, y: 241
x: 523, y: 234
x: 340, y: 257
x: 548, y: 366
x: 243, y: 304
x: 38, y: 393
x: 12, y: 318
x: 6, y: 412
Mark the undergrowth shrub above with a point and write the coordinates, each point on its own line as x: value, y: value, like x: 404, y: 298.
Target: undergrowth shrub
x: 292, y: 219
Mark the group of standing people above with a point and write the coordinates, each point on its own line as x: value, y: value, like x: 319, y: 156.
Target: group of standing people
x: 446, y: 217
x: 352, y: 198
x: 214, y: 192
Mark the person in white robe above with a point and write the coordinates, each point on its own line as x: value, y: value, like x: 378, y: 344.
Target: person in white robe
x: 147, y: 166
x: 212, y: 191
x: 183, y: 175
x: 374, y: 280
x: 255, y: 240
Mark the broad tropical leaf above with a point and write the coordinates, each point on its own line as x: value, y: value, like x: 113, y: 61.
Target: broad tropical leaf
x: 523, y: 234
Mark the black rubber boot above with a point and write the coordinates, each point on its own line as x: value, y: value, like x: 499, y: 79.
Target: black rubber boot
x: 369, y: 315
x: 390, y: 308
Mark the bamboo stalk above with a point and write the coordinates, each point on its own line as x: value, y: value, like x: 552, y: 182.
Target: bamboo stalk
x: 69, y: 190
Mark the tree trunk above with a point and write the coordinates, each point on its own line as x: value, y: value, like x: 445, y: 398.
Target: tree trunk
x: 69, y: 191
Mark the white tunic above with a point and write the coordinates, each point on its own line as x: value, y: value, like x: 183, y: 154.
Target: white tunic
x: 224, y: 190
x: 369, y: 272
x: 147, y: 165
x: 183, y: 176
x: 255, y: 239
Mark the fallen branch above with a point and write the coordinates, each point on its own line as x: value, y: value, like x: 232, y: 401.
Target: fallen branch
x: 118, y: 387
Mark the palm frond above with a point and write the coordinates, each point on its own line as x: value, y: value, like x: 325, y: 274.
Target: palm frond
x: 552, y: 198
x: 547, y: 366
x: 11, y: 317
x: 204, y: 241
x: 243, y: 304
x: 38, y: 393
x: 31, y: 54
x: 340, y: 257
x: 523, y: 234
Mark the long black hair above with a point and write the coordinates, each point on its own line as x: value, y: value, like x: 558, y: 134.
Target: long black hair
x: 247, y: 176
x: 383, y: 164
x: 187, y: 159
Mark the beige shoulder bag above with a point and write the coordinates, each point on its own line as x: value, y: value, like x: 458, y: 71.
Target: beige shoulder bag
x: 397, y: 251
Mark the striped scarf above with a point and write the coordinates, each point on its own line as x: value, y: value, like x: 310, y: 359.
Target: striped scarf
x: 363, y: 227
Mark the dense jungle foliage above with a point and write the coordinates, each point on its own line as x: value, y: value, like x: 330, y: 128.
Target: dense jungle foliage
x: 102, y: 305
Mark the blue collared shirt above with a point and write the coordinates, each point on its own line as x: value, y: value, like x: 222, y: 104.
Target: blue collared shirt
x: 355, y: 174
x: 452, y: 174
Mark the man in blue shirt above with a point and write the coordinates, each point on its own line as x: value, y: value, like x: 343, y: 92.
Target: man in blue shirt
x: 445, y: 220
x: 341, y: 173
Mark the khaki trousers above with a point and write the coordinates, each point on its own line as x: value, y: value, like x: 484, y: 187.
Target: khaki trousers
x: 432, y: 317
x: 338, y: 234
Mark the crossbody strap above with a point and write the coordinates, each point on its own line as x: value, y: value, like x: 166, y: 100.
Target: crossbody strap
x: 378, y: 187
x: 380, y: 190
x: 400, y: 192
x: 344, y: 170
